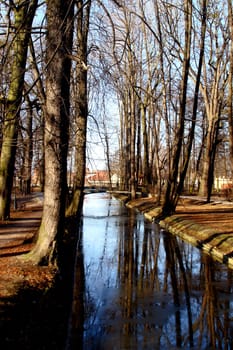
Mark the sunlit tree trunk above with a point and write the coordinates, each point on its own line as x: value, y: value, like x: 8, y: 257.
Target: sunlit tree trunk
x: 132, y: 105
x: 28, y: 150
x: 213, y: 89
x: 107, y: 153
x: 165, y: 97
x: 121, y: 149
x: 146, y: 100
x: 230, y: 82
x: 42, y: 100
x: 146, y: 168
x: 132, y: 127
x: 190, y: 140
x: 24, y: 12
x: 81, y: 108
x: 213, y: 103
x: 170, y: 197
x: 207, y: 177
x: 127, y: 153
x: 48, y: 248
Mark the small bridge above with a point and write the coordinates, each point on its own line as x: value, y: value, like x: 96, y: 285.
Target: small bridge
x: 96, y: 189
x: 102, y: 189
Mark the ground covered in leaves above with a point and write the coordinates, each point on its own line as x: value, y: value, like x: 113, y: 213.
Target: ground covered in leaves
x: 33, y: 305
x: 218, y: 214
x: 207, y: 226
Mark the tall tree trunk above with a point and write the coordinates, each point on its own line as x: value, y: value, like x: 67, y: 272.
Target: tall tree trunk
x: 122, y: 147
x: 42, y: 98
x: 146, y: 169
x: 188, y: 148
x: 48, y: 248
x: 158, y: 167
x: 170, y: 197
x: 28, y: 150
x: 23, y: 13
x: 132, y: 144
x: 213, y: 105
x: 207, y: 178
x: 127, y: 148
x: 81, y: 109
x: 230, y: 82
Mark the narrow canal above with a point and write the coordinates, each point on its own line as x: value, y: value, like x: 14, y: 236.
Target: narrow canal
x: 138, y: 287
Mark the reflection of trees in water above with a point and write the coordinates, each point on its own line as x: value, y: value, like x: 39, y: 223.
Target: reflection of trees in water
x: 212, y: 327
x: 215, y: 317
x: 138, y: 261
x: 139, y: 272
x: 161, y: 296
x: 77, y: 313
x: 139, y: 279
x: 128, y: 269
x: 175, y: 267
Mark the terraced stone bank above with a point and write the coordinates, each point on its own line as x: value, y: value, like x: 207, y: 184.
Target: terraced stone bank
x: 208, y: 226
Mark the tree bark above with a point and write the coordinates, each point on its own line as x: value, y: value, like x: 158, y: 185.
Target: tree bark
x: 214, y: 100
x: 170, y: 197
x: 188, y: 148
x: 230, y: 82
x: 48, y: 248
x: 40, y: 91
x: 81, y: 109
x: 24, y: 13
x: 28, y: 150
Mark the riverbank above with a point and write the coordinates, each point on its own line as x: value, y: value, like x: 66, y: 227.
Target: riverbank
x: 207, y: 226
x: 33, y: 311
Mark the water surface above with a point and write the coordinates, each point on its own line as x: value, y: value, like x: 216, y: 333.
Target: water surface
x: 138, y: 287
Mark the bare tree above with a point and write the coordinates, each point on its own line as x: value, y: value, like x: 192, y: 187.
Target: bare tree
x: 171, y: 193
x: 48, y: 247
x: 80, y: 107
x: 230, y: 83
x: 23, y: 16
x: 213, y: 88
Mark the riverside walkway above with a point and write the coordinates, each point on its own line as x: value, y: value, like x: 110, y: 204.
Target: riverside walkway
x: 17, y: 234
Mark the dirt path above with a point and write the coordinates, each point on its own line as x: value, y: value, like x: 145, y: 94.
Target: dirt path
x: 21, y: 228
x: 17, y: 236
x: 19, y: 231
x: 31, y: 312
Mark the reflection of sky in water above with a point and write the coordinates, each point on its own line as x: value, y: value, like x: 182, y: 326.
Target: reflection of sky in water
x: 100, y: 243
x: 124, y: 316
x: 98, y: 206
